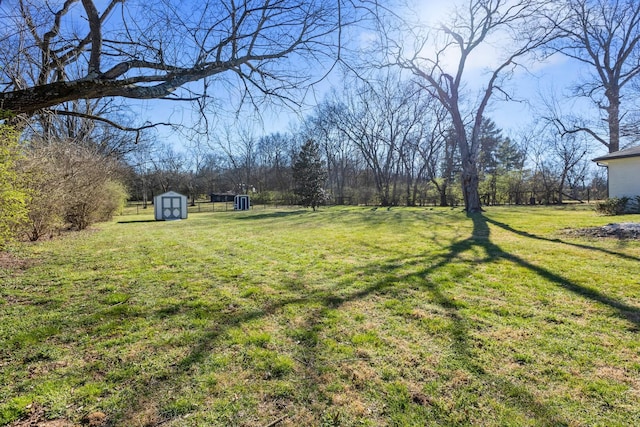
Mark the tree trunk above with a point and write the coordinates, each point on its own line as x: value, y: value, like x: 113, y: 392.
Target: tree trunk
x: 469, y: 160
x: 470, y: 181
x: 613, y: 112
x: 442, y: 191
x: 443, y: 197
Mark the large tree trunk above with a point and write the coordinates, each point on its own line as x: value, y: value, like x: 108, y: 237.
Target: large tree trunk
x: 469, y: 160
x: 470, y: 181
x: 613, y: 112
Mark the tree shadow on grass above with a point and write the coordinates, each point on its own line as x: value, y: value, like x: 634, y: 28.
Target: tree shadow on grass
x: 463, y: 355
x: 517, y: 394
x: 459, y: 329
x: 625, y: 311
x: 151, y: 384
x: 320, y: 301
x: 576, y: 245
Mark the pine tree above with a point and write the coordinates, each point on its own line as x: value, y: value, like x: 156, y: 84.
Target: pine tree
x: 309, y: 175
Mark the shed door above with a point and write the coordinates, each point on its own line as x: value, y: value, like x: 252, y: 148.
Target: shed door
x: 171, y: 207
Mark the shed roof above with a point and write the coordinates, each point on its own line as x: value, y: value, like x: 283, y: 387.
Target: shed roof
x: 629, y: 152
x: 170, y: 194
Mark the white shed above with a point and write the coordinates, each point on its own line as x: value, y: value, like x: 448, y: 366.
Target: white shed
x: 623, y: 170
x: 170, y: 205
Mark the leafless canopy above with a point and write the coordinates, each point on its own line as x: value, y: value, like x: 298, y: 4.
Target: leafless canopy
x: 441, y: 57
x: 56, y: 51
x: 605, y: 36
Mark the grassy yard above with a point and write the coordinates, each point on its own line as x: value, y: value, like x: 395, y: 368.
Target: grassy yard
x: 341, y: 317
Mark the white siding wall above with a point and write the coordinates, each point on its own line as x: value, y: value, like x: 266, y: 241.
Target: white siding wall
x: 624, y: 177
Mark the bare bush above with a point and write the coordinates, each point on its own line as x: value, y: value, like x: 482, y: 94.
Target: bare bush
x: 71, y: 187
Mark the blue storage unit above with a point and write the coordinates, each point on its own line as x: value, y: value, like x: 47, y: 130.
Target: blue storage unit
x: 241, y: 203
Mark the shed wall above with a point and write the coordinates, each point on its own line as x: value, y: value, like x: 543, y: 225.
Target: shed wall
x: 170, y: 205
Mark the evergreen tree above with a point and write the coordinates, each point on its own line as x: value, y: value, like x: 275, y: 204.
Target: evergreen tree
x: 309, y: 175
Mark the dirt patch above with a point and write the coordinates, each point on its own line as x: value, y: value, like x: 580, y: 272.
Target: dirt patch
x: 8, y: 261
x: 625, y: 230
x: 37, y: 418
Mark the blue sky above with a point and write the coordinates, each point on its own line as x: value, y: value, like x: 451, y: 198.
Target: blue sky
x: 554, y: 76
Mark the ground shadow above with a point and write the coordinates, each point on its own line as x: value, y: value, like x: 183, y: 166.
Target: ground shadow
x: 160, y: 380
x: 458, y: 330
x: 463, y: 350
x: 271, y: 215
x: 564, y: 242
x: 136, y: 221
x: 625, y: 311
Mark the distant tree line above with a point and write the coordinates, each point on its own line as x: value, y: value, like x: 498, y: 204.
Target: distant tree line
x: 379, y: 142
x: 383, y: 142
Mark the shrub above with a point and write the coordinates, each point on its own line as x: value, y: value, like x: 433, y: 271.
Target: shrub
x: 100, y: 204
x: 44, y: 214
x: 114, y: 200
x: 262, y: 198
x: 612, y: 206
x: 13, y: 195
x: 71, y: 186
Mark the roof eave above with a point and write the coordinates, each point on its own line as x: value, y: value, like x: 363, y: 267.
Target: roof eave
x: 613, y: 157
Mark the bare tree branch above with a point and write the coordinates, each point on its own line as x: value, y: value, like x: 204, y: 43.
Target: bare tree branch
x: 136, y: 129
x: 275, y: 46
x: 605, y: 35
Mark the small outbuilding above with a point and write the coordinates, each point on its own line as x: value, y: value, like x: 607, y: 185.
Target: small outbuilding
x: 169, y: 206
x: 241, y: 203
x: 623, y: 171
x: 222, y: 197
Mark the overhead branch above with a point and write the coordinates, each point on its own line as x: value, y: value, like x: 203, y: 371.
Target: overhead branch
x: 95, y: 31
x: 137, y: 129
x: 563, y: 130
x: 273, y: 47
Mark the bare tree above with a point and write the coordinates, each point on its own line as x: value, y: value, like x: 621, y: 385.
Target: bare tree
x: 385, y: 119
x: 141, y: 161
x: 274, y: 153
x: 341, y: 155
x: 442, y: 58
x: 197, y: 162
x: 425, y: 145
x: 561, y: 161
x: 444, y: 166
x: 239, y: 144
x: 75, y: 121
x: 55, y: 51
x: 169, y: 169
x: 605, y: 36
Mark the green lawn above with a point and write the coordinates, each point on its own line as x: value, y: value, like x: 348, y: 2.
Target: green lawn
x: 345, y: 316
